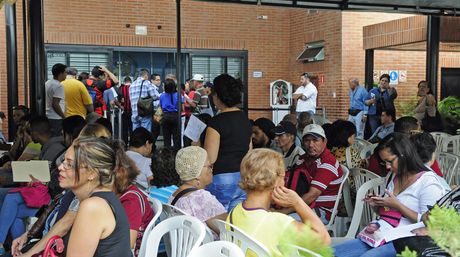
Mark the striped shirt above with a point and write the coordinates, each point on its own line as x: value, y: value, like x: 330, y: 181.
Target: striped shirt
x: 326, y: 175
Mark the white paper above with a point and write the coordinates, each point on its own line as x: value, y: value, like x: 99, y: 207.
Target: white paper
x: 23, y: 169
x: 403, y: 231
x: 194, y: 128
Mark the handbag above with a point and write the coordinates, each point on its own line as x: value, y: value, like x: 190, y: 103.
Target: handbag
x: 35, y: 195
x: 432, y: 124
x: 144, y: 104
x: 54, y: 248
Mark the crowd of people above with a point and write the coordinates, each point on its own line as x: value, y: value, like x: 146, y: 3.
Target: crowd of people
x: 262, y: 177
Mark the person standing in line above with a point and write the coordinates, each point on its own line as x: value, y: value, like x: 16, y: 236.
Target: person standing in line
x: 169, y: 123
x: 156, y: 126
x: 55, y: 98
x: 77, y: 99
x: 380, y: 98
x: 101, y: 79
x: 357, y: 113
x: 200, y: 98
x: 135, y: 94
x: 305, y: 95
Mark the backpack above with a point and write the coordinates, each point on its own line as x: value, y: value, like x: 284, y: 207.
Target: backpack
x: 298, y: 179
x: 89, y: 84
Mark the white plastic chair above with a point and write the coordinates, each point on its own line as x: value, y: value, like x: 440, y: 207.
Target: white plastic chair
x: 185, y: 233
x: 449, y: 164
x: 367, y: 151
x: 240, y: 238
x: 217, y: 249
x: 439, y: 138
x: 332, y: 226
x: 362, y: 215
x: 298, y: 251
x: 361, y: 176
x: 172, y: 211
x: 360, y: 144
x: 157, y: 209
x: 451, y: 145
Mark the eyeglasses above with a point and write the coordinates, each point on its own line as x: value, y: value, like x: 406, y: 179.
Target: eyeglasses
x: 68, y: 166
x: 388, y: 163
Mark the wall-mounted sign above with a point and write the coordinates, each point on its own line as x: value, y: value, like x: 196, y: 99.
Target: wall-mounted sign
x: 141, y: 30
x: 394, y: 75
x: 257, y: 74
x: 403, y: 76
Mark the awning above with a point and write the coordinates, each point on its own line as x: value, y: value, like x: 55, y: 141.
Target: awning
x: 439, y: 7
x: 312, y: 52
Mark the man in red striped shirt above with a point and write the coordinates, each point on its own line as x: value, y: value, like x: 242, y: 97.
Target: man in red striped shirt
x: 323, y: 170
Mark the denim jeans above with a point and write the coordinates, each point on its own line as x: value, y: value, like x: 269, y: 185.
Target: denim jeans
x: 145, y: 122
x: 359, y: 124
x: 3, y: 192
x: 374, y: 122
x: 225, y: 188
x: 13, y: 210
x: 357, y: 248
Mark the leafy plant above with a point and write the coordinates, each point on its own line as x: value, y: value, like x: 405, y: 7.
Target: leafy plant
x: 407, y: 253
x: 304, y: 238
x: 407, y: 107
x: 449, y: 108
x: 443, y: 226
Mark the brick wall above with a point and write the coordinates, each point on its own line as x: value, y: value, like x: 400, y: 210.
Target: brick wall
x: 272, y: 44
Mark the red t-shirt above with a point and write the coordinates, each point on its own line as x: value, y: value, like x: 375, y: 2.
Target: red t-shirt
x: 326, y: 175
x: 436, y: 169
x: 132, y: 205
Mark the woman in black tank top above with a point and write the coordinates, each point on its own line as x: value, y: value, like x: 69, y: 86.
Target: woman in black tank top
x: 101, y: 226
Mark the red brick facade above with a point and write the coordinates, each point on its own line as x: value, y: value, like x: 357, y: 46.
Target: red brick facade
x: 272, y: 44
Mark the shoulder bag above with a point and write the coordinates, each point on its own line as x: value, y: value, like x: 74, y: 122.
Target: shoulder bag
x: 144, y: 104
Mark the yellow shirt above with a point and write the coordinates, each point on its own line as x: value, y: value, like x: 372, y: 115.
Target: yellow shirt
x: 76, y: 97
x: 266, y: 227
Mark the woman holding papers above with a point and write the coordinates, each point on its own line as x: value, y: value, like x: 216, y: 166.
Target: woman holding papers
x: 228, y: 139
x: 409, y: 190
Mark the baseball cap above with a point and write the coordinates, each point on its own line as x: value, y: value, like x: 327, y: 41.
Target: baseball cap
x: 314, y: 130
x: 285, y: 127
x: 198, y: 77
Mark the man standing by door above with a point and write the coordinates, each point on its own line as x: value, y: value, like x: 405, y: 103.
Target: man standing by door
x: 357, y: 113
x: 305, y: 95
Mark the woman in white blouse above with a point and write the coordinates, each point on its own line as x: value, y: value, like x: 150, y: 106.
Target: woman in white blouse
x: 410, y: 190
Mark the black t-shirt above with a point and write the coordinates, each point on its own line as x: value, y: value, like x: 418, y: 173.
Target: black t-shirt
x: 235, y: 132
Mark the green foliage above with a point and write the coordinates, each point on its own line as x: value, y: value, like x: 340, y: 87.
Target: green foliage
x: 407, y: 253
x: 443, y: 225
x: 304, y: 238
x: 407, y: 107
x: 450, y: 107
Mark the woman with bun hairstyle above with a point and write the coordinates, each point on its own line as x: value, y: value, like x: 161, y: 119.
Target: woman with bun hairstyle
x: 228, y: 139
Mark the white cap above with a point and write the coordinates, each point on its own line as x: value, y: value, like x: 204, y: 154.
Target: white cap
x: 198, y: 77
x: 314, y: 130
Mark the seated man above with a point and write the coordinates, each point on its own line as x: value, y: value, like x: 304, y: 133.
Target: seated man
x: 388, y: 124
x: 322, y: 172
x: 285, y: 134
x: 262, y: 134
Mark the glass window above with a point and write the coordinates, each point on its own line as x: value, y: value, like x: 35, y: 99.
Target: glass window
x: 211, y: 67
x: 52, y: 59
x: 81, y: 61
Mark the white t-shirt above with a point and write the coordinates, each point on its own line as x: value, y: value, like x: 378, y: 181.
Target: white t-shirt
x: 143, y: 164
x: 425, y: 191
x: 54, y: 89
x: 308, y: 105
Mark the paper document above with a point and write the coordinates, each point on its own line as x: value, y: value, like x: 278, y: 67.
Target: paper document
x: 23, y: 169
x: 194, y: 128
x: 403, y: 231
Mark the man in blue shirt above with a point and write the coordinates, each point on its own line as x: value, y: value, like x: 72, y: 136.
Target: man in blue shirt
x: 357, y: 113
x: 388, y: 124
x: 135, y: 93
x: 380, y: 98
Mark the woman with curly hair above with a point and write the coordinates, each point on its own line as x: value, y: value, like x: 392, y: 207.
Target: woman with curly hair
x: 228, y: 139
x: 262, y: 177
x: 165, y: 178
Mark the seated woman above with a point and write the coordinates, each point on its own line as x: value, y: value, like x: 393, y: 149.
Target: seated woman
x: 340, y: 139
x: 409, y: 191
x: 195, y: 172
x: 426, y: 149
x: 140, y: 151
x: 262, y: 177
x: 165, y: 178
x: 135, y: 202
x: 101, y: 227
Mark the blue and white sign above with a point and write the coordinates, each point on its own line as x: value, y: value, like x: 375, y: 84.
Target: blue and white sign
x: 394, y: 75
